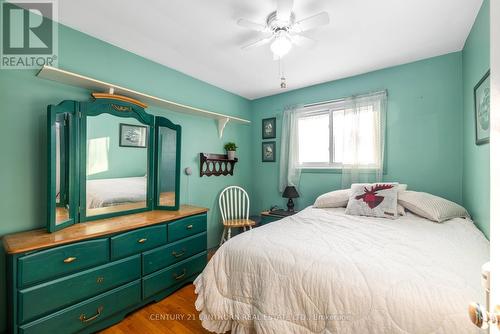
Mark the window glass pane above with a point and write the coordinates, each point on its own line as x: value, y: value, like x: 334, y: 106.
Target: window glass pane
x: 353, y: 137
x: 314, y: 139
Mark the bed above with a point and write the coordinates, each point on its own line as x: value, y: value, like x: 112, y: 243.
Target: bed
x: 322, y: 271
x: 111, y: 192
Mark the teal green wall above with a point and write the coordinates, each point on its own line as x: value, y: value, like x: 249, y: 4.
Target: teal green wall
x: 426, y: 146
x: 24, y: 99
x: 122, y: 161
x: 476, y: 176
x: 423, y: 141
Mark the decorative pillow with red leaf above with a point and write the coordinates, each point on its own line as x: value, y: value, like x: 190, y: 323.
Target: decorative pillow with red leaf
x: 374, y: 200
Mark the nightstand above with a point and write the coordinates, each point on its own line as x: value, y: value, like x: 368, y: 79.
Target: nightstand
x: 268, y: 217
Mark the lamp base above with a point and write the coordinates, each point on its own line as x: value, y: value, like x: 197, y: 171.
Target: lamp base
x: 290, y: 205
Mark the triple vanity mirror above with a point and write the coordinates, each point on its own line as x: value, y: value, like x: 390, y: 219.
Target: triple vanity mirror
x: 107, y: 158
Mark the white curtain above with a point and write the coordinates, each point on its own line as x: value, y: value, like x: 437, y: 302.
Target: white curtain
x: 363, y: 138
x: 289, y: 174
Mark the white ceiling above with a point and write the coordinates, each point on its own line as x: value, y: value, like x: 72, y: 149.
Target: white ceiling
x: 201, y: 38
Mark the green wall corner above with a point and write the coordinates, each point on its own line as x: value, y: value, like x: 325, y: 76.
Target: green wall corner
x: 423, y: 145
x: 476, y: 159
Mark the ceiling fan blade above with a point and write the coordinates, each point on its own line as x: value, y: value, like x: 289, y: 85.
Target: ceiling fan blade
x: 284, y: 10
x: 302, y: 41
x: 312, y: 22
x: 251, y: 25
x: 258, y: 43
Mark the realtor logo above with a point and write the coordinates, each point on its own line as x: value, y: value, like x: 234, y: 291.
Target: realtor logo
x: 29, y: 34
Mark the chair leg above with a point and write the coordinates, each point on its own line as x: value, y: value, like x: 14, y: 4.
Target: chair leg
x: 249, y: 227
x: 223, y: 238
x: 228, y: 233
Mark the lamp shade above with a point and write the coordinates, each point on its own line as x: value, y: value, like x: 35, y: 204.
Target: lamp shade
x: 290, y: 192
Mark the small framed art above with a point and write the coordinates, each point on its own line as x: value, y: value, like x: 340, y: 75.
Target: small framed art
x: 482, y: 109
x: 133, y: 135
x: 269, y: 128
x: 269, y: 151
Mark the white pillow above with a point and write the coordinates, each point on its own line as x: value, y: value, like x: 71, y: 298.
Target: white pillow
x: 431, y: 207
x: 333, y: 199
x: 375, y: 200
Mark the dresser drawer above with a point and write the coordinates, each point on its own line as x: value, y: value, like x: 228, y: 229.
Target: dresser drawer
x: 177, y: 273
x: 48, y: 297
x: 186, y: 227
x: 78, y: 317
x: 165, y: 256
x: 55, y: 262
x: 134, y: 242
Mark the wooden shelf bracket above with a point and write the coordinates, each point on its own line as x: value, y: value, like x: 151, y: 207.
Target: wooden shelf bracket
x: 222, y: 125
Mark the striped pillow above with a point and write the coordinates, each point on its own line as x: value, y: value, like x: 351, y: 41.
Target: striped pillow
x: 431, y: 207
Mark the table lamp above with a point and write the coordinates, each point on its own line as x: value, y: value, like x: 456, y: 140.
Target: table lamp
x: 290, y: 192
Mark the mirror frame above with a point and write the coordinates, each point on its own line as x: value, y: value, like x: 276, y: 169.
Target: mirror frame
x: 120, y: 109
x: 120, y: 106
x: 165, y: 123
x: 68, y: 109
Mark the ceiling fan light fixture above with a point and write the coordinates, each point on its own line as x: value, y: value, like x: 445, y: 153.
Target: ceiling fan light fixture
x: 281, y: 45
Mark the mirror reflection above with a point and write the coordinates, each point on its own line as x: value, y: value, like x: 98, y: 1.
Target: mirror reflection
x: 167, y: 156
x: 117, y: 164
x: 62, y: 184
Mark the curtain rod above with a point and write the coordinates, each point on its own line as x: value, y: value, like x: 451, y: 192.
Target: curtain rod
x: 343, y: 98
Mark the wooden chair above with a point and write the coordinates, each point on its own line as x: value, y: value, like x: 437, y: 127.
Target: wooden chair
x: 234, y: 206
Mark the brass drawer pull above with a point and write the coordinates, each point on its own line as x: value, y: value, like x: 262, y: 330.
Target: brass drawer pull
x: 70, y: 259
x: 141, y: 241
x: 189, y: 227
x: 83, y: 318
x: 100, y: 279
x: 180, y: 276
x: 181, y: 253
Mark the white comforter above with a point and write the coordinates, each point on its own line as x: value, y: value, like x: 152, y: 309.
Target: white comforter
x: 109, y: 192
x: 321, y: 271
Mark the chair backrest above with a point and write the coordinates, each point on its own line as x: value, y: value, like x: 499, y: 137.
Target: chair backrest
x: 234, y: 203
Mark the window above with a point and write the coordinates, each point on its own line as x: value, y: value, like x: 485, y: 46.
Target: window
x: 339, y: 135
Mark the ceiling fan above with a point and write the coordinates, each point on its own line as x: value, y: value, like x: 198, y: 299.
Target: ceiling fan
x: 282, y: 29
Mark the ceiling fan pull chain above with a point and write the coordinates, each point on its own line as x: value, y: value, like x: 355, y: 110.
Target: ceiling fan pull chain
x: 282, y: 74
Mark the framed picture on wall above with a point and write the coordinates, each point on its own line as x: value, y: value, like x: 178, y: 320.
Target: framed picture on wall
x: 269, y: 128
x: 132, y: 135
x: 269, y: 151
x: 482, y: 109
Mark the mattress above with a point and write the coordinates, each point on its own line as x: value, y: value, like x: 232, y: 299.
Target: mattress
x: 116, y: 191
x: 322, y: 271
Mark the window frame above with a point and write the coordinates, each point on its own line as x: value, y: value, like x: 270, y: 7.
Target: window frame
x: 330, y: 108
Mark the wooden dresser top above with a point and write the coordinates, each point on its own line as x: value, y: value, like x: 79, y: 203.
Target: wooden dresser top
x: 39, y: 239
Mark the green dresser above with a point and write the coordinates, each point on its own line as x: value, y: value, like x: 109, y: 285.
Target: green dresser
x: 89, y: 284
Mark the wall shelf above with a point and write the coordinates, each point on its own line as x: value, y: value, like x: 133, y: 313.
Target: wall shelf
x: 216, y: 164
x: 94, y: 85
